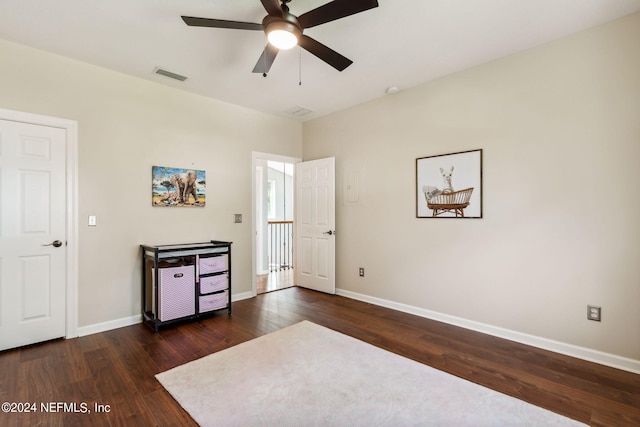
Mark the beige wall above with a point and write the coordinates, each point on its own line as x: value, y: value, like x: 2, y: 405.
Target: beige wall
x: 560, y: 130
x: 126, y: 126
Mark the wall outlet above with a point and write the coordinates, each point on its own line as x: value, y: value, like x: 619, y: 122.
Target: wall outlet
x: 594, y: 313
x: 361, y: 272
x: 237, y: 218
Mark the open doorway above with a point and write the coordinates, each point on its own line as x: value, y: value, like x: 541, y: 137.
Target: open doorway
x: 273, y: 214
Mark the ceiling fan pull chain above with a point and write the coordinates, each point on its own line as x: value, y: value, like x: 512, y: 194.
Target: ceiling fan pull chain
x: 266, y: 40
x: 300, y: 68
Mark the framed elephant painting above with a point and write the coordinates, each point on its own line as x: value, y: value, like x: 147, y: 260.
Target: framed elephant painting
x: 178, y: 187
x: 449, y: 185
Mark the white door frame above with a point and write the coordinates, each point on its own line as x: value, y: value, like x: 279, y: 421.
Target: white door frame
x: 255, y: 155
x: 71, y: 127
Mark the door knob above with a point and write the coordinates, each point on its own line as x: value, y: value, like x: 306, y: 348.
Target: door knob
x: 55, y: 244
x: 329, y: 232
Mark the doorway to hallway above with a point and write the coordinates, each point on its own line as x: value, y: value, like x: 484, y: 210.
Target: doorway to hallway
x: 278, y: 183
x: 274, y: 281
x: 273, y: 212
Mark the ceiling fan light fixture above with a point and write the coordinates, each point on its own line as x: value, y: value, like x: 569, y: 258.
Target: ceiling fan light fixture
x: 283, y: 35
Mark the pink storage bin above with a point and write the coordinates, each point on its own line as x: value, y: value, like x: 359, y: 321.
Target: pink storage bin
x: 214, y: 301
x: 213, y: 264
x: 214, y: 283
x: 176, y: 293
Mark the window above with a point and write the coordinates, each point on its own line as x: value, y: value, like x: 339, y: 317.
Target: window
x: 271, y: 199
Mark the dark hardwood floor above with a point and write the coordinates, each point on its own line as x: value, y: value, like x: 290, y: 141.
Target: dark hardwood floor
x: 117, y: 368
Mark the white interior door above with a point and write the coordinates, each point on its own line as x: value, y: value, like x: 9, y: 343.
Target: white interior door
x: 315, y: 225
x: 32, y: 218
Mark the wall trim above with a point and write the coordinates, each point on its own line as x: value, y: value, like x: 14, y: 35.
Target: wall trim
x: 583, y: 353
x: 133, y: 320
x: 107, y: 326
x: 240, y: 297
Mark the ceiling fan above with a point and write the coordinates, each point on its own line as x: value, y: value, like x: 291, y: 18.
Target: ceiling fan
x: 285, y: 30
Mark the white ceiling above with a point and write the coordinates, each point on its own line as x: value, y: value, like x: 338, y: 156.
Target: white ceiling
x: 401, y: 43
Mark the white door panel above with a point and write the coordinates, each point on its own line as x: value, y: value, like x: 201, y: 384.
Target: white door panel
x: 323, y: 247
x: 32, y: 217
x: 315, y: 225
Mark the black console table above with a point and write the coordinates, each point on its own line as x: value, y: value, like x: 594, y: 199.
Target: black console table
x: 185, y: 281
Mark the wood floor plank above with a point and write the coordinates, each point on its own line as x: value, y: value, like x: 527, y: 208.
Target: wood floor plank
x: 140, y: 367
x: 117, y: 390
x: 10, y: 362
x: 165, y: 410
x: 117, y: 368
x: 83, y: 391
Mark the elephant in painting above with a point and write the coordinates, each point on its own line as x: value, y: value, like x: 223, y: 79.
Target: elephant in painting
x: 185, y: 185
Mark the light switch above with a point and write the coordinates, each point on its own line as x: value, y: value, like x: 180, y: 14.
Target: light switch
x: 237, y: 218
x: 93, y: 221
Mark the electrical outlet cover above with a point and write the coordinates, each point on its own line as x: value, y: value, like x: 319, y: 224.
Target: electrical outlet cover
x: 594, y: 313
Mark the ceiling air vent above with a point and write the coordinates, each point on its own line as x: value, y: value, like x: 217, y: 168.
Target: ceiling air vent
x: 169, y: 74
x: 298, y: 111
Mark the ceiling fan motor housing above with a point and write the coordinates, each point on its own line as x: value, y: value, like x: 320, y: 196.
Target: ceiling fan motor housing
x: 287, y: 23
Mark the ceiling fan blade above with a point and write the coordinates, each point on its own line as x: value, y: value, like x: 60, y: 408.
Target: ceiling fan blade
x: 272, y: 7
x: 328, y: 55
x: 221, y: 23
x: 266, y: 59
x: 334, y: 10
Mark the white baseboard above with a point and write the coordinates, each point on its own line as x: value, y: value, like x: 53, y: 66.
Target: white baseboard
x: 240, y: 297
x: 590, y: 355
x: 107, y: 326
x: 132, y: 320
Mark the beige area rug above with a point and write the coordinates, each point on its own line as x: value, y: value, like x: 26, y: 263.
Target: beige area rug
x: 308, y: 375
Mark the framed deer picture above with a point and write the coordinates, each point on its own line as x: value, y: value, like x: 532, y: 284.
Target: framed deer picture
x: 449, y: 185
